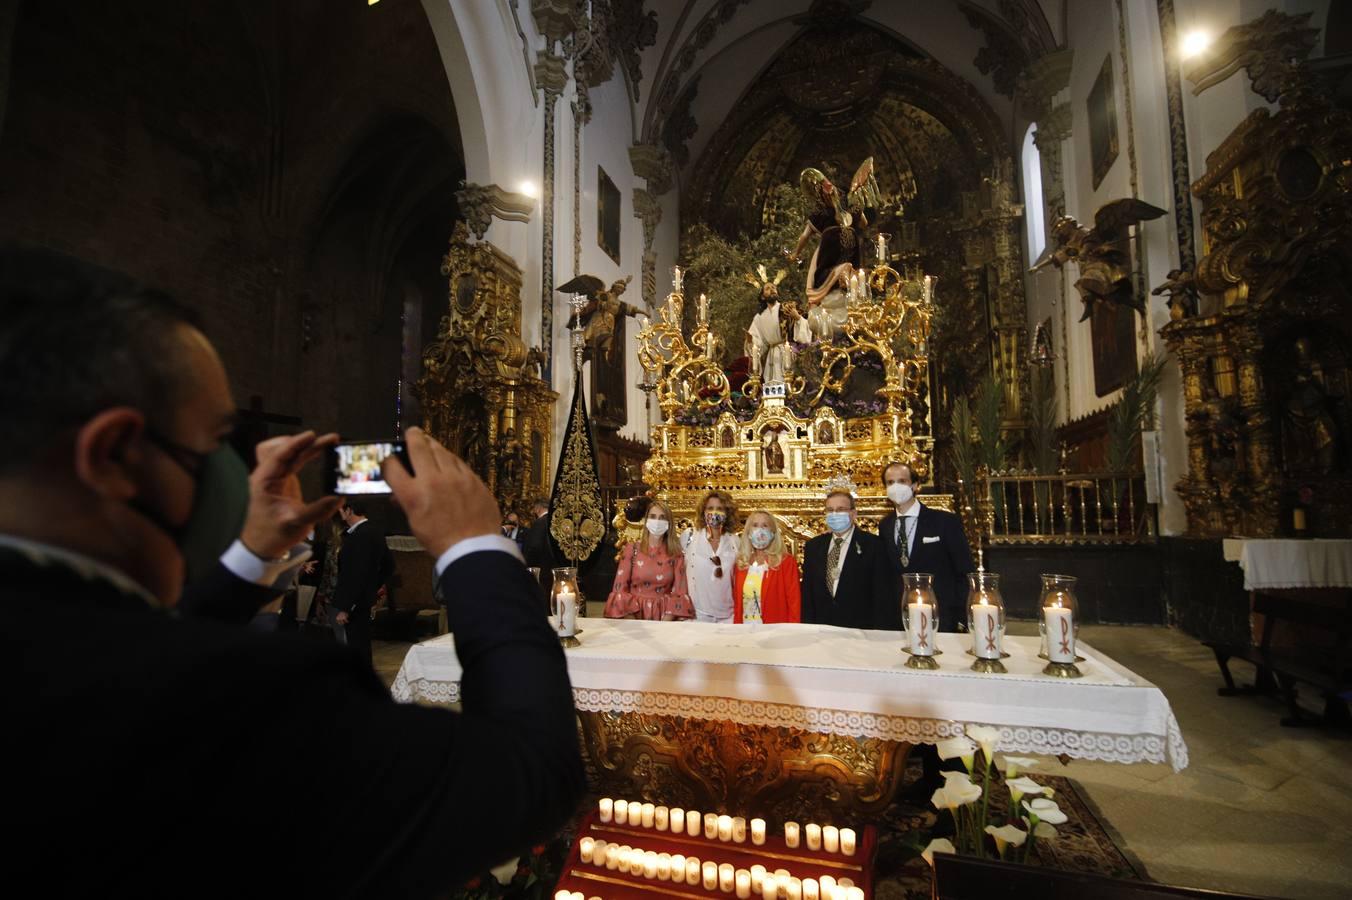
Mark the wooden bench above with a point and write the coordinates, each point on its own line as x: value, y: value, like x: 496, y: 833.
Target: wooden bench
x: 1281, y: 667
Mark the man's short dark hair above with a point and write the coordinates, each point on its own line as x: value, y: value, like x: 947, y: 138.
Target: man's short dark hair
x: 359, y: 508
x: 540, y: 503
x: 75, y: 340
x: 842, y: 493
x: 916, y: 480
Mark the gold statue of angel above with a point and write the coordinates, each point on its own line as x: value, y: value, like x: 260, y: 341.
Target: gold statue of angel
x: 601, y: 314
x: 1102, y: 253
x: 841, y: 232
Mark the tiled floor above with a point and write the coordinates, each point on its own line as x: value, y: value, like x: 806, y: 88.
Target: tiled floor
x: 1261, y: 809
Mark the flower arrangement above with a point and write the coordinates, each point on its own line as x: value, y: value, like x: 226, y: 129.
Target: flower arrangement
x: 528, y: 877
x: 966, y: 795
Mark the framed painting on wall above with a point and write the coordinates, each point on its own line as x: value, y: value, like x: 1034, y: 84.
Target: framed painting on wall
x: 1103, y: 122
x: 607, y: 215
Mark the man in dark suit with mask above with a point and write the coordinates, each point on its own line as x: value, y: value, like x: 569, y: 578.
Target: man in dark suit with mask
x: 917, y: 538
x: 114, y: 478
x: 843, y: 569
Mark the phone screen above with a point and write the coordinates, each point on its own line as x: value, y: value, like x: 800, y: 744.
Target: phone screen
x: 354, y: 467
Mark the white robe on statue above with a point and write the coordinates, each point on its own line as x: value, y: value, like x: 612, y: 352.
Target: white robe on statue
x: 769, y: 348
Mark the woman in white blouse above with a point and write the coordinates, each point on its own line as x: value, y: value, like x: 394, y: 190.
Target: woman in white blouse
x: 710, y: 552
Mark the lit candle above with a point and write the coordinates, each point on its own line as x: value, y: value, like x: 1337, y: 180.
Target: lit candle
x: 1060, y: 634
x: 738, y: 830
x: 648, y: 812
x: 795, y: 889
x: 599, y: 854
x: 855, y: 893
x: 563, y: 895
x: 606, y: 808
x: 703, y: 309
x: 691, y: 822
x: 839, y: 893
x: 846, y: 882
x: 828, y: 884
x: 664, y: 867
x: 676, y: 278
x: 791, y: 833
x: 831, y: 839
x: 810, y: 889
x: 578, y: 895
x: 920, y: 628
x: 781, y: 879
x: 711, y: 876
x: 635, y: 813
x: 711, y: 825
x: 612, y: 856
x: 678, y: 868
x: 621, y: 812
x: 757, y: 876
x: 743, y: 884
x: 636, y: 860
x: 660, y: 818
x: 758, y: 831
x: 727, y: 878
x: 769, y: 888
x: 692, y: 870
x: 814, y: 836
x: 986, y: 632
x: 677, y: 817
x: 847, y: 841
x: 650, y: 865
x: 1298, y: 519
x: 725, y: 828
x: 585, y: 848
x: 565, y: 602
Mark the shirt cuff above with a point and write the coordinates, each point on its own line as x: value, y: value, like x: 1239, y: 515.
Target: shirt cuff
x: 278, y: 574
x: 497, y: 542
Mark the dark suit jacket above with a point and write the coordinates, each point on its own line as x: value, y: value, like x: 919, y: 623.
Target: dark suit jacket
x: 152, y: 742
x: 364, y: 564
x: 860, y: 579
x: 538, y: 548
x: 940, y: 548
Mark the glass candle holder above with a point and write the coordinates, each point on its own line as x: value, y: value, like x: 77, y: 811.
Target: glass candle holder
x: 1059, y: 620
x: 920, y: 619
x: 986, y: 616
x: 564, y: 605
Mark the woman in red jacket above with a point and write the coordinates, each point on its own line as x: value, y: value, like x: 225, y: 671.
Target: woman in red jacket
x: 765, y: 584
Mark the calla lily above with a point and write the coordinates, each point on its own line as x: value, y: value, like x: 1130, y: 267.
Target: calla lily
x: 959, y: 747
x: 506, y: 872
x: 1044, y: 830
x: 938, y: 845
x: 987, y: 737
x: 959, y: 777
x: 1016, y: 764
x: 1007, y: 834
x: 942, y: 800
x: 1045, y: 811
x: 963, y: 792
x: 1022, y: 785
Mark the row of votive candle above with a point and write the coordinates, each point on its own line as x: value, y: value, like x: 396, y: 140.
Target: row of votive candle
x: 821, y: 837
x: 744, y: 883
x: 681, y: 821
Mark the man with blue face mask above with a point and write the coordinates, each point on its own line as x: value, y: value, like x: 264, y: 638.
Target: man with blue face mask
x: 842, y: 569
x: 148, y: 724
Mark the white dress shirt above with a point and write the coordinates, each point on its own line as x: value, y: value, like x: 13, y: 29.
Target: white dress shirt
x: 712, y: 596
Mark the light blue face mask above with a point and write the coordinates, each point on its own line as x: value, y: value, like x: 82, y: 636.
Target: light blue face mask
x: 839, y: 522
x: 761, y: 538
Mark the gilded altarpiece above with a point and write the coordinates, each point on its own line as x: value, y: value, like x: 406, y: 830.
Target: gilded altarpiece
x: 481, y: 391
x: 1263, y: 331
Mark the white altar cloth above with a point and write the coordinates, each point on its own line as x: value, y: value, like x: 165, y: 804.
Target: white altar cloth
x: 1276, y: 563
x: 844, y: 681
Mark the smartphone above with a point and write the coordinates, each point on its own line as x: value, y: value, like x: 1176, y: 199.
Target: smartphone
x: 353, y: 467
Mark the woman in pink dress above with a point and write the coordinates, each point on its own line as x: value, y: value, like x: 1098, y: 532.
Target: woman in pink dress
x: 650, y: 581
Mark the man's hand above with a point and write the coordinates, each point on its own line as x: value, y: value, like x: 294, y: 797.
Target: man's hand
x: 341, y: 618
x: 279, y: 518
x: 445, y: 501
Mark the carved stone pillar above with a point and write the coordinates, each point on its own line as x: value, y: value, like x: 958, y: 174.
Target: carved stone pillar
x: 653, y: 164
x: 551, y: 75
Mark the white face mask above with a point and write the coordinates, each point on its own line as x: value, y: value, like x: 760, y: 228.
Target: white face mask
x: 658, y: 527
x: 900, y: 493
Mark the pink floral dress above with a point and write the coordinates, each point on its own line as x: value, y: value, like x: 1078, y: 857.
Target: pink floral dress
x: 649, y: 584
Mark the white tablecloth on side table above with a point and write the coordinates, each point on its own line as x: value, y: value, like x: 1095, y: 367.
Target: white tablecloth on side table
x: 844, y: 681
x: 1285, y: 564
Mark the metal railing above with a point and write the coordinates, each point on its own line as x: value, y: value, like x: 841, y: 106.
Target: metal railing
x: 1067, y: 508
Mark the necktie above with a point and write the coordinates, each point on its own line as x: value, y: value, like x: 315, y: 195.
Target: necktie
x: 904, y: 540
x: 832, y: 562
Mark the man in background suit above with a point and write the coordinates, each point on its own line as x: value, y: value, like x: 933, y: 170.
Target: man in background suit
x: 364, y: 565
x: 917, y: 538
x: 842, y: 569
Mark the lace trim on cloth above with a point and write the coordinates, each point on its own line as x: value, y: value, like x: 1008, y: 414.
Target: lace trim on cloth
x: 1123, y: 748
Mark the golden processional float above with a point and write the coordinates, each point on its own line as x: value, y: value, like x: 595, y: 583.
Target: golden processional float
x: 781, y: 442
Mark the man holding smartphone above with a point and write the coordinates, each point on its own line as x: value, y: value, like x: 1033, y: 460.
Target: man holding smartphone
x: 142, y: 721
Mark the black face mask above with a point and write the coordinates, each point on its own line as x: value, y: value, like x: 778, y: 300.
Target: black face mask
x: 220, y: 504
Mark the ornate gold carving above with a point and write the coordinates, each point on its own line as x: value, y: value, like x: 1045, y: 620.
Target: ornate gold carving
x: 479, y: 203
x: 576, y: 520
x: 780, y: 773
x: 478, y: 380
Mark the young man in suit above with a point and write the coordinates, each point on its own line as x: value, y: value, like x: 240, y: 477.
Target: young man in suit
x: 842, y: 569
x: 143, y: 714
x: 917, y: 538
x: 364, y: 565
